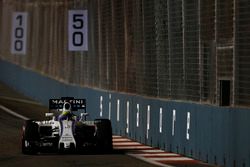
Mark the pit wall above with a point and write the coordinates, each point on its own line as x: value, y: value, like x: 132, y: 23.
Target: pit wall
x: 212, y: 134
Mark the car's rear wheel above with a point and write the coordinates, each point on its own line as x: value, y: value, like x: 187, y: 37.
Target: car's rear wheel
x: 104, y: 135
x: 61, y: 148
x: 30, y: 137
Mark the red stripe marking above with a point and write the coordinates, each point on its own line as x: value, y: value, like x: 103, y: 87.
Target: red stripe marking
x: 131, y: 149
x: 132, y: 145
x: 152, y: 154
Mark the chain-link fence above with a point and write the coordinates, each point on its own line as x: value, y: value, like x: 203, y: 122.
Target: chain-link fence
x: 195, y: 50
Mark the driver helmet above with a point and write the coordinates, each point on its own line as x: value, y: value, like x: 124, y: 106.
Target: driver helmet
x: 66, y: 108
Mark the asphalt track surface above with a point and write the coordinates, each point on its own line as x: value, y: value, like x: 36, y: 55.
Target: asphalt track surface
x: 10, y: 140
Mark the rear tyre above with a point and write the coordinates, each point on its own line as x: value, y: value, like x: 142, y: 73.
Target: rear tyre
x: 30, y: 137
x: 104, y: 135
x: 72, y: 147
x: 61, y: 148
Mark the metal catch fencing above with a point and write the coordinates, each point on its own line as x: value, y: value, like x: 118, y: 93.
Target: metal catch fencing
x: 170, y: 49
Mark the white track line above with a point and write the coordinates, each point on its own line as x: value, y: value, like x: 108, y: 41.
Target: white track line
x: 117, y: 137
x: 13, y: 113
x: 19, y: 100
x: 172, y: 159
x: 153, y: 151
x: 120, y: 140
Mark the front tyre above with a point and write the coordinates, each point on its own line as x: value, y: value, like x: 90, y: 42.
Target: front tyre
x: 30, y: 137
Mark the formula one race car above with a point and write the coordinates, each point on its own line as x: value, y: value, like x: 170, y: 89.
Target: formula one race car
x: 66, y: 131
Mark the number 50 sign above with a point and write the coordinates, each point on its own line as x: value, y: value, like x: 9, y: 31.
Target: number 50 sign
x: 78, y: 30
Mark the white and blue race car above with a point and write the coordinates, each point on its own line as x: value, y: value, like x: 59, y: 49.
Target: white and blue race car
x: 66, y: 131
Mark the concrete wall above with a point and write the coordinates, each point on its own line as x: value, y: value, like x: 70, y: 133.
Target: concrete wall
x: 215, y: 135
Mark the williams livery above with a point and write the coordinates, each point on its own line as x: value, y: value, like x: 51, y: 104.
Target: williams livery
x: 66, y: 130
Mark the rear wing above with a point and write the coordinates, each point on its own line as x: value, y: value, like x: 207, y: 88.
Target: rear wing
x: 76, y: 104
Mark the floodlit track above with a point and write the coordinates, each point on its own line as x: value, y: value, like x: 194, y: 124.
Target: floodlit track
x: 126, y: 152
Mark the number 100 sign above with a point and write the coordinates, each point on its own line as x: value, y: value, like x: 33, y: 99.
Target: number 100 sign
x: 19, y: 33
x: 78, y: 30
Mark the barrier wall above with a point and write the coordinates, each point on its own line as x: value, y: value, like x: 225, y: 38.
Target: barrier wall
x: 213, y: 134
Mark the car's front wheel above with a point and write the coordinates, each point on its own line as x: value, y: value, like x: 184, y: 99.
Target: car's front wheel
x: 30, y: 137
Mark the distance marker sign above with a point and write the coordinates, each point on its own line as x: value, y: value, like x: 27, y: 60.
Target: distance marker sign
x: 19, y: 33
x: 78, y: 30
